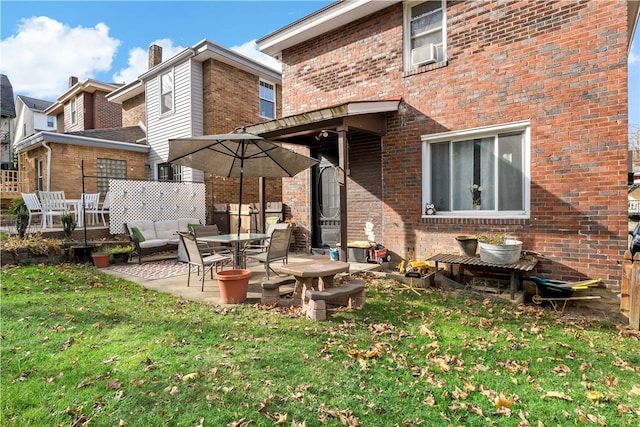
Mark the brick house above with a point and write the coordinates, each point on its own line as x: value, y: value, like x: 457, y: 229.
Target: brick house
x: 90, y: 134
x: 206, y: 89
x: 508, y: 116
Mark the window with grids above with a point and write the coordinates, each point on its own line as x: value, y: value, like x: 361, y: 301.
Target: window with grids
x: 424, y: 32
x: 478, y: 173
x: 166, y: 92
x: 169, y: 172
x: 267, y: 100
x: 74, y: 111
x: 110, y: 169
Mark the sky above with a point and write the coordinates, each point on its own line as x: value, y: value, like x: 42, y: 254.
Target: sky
x: 43, y: 43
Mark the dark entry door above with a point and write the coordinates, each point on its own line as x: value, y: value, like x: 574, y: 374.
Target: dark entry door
x: 326, y: 200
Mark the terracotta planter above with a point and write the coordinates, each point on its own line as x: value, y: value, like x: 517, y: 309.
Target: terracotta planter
x: 233, y: 285
x: 468, y: 245
x: 100, y: 260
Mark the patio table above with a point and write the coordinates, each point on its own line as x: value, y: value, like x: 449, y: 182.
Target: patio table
x: 239, y: 259
x: 316, y: 275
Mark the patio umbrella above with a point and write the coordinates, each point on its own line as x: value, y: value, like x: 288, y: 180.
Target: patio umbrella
x: 237, y: 155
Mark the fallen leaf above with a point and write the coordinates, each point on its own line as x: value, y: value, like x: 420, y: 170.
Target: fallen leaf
x: 557, y: 395
x: 191, y: 376
x: 502, y: 402
x: 594, y: 396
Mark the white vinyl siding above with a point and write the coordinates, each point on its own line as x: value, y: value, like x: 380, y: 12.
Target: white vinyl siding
x: 185, y: 120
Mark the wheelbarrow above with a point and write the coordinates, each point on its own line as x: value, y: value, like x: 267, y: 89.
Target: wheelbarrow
x: 558, y: 293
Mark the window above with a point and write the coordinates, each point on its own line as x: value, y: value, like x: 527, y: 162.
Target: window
x: 74, y: 112
x: 169, y: 172
x: 478, y: 172
x: 110, y: 169
x: 424, y: 38
x: 267, y: 100
x: 49, y: 121
x: 40, y: 174
x: 166, y: 92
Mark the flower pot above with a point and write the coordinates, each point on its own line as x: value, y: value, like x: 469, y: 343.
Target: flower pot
x: 233, y: 285
x: 121, y: 258
x: 100, y: 260
x: 507, y: 253
x: 468, y: 245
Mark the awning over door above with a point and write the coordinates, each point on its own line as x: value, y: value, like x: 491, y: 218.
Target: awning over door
x: 332, y: 125
x: 303, y: 128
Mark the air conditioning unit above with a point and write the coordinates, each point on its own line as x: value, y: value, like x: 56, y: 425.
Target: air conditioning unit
x: 424, y: 54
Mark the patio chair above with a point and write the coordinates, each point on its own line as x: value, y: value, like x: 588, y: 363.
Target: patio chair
x: 195, y: 258
x: 210, y: 248
x: 35, y: 208
x: 54, y: 204
x: 253, y: 249
x: 277, y: 250
x: 91, y: 203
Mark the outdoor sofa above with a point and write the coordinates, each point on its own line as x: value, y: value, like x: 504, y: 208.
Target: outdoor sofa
x: 150, y: 237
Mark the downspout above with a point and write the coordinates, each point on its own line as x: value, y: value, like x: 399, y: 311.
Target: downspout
x: 44, y: 144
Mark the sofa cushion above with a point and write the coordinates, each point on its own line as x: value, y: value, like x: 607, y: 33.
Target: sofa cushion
x: 153, y: 243
x: 166, y: 229
x: 145, y: 226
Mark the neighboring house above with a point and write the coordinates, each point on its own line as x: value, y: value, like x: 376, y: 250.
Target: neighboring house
x: 31, y: 119
x: 7, y: 115
x: 90, y: 142
x: 206, y: 89
x: 85, y: 106
x: 508, y: 116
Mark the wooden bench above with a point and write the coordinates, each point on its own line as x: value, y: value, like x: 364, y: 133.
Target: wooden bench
x: 271, y: 289
x: 316, y: 304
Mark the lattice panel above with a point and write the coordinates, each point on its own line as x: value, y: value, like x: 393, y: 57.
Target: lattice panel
x: 133, y: 200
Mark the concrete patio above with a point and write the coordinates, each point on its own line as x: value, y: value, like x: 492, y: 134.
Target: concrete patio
x: 177, y: 284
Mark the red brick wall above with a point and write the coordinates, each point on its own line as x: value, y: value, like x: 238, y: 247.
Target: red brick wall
x: 561, y: 65
x: 94, y: 112
x: 231, y: 100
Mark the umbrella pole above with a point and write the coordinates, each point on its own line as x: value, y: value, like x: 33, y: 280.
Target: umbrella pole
x: 240, y: 206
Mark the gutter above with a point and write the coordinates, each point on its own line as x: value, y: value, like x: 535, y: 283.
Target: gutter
x: 44, y: 144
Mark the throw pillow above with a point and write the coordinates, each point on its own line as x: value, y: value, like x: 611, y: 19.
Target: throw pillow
x: 136, y: 232
x: 190, y: 227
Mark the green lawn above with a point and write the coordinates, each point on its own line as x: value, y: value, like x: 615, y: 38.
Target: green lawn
x: 80, y: 347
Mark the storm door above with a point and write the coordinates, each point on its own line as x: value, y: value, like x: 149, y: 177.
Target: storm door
x: 326, y: 200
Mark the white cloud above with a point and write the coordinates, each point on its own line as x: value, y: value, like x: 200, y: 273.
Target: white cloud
x: 250, y: 49
x: 138, y: 61
x: 633, y: 57
x: 44, y: 53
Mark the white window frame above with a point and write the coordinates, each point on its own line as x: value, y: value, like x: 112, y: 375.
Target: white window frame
x: 74, y: 111
x: 162, y: 93
x: 261, y: 98
x: 407, y: 39
x: 480, y: 132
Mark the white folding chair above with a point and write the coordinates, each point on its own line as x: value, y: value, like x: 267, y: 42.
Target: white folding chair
x: 90, y: 202
x: 34, y: 207
x: 106, y: 205
x: 54, y: 204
